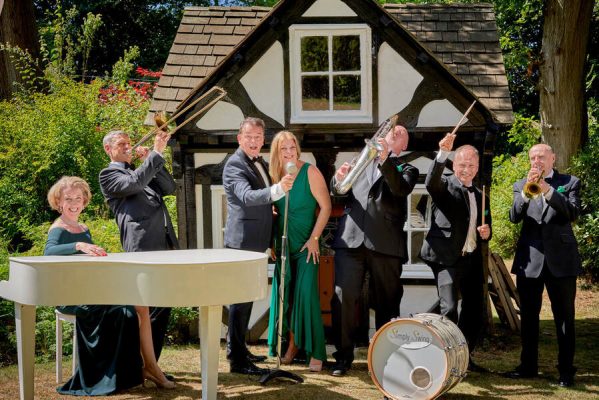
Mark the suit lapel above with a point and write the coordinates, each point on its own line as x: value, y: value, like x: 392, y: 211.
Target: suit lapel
x: 252, y: 167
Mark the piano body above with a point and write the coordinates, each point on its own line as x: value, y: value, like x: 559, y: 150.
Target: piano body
x: 208, y: 278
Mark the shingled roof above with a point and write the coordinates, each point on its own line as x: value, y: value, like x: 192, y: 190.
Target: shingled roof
x: 463, y: 36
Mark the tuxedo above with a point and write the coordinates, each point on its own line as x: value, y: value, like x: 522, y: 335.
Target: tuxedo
x: 370, y: 237
x: 248, y: 227
x: 547, y: 256
x: 456, y: 272
x: 136, y: 200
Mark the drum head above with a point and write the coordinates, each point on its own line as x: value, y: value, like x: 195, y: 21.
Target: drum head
x: 407, y: 360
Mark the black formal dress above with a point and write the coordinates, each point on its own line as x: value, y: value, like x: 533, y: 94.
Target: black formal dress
x: 547, y: 256
x: 109, y: 358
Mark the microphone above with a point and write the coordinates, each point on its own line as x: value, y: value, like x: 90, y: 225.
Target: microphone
x: 291, y: 168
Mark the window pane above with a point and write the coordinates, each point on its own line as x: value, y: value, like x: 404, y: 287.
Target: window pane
x: 315, y: 54
x: 346, y: 53
x: 315, y: 93
x: 346, y: 89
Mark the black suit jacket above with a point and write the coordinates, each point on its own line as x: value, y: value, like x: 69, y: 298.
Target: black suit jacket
x: 547, y: 235
x: 135, y: 198
x: 375, y: 214
x: 451, y: 217
x: 249, y: 209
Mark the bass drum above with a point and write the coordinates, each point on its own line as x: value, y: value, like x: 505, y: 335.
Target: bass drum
x: 418, y: 358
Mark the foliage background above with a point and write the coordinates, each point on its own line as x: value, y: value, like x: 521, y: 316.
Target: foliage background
x: 56, y: 129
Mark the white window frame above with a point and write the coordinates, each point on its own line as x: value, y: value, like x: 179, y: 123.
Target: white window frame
x: 364, y: 114
x: 412, y: 269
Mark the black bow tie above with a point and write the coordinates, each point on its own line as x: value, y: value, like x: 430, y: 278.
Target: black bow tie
x: 257, y: 159
x: 549, y: 179
x: 470, y: 189
x: 129, y: 166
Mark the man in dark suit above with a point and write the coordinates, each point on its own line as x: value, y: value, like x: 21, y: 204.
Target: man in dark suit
x: 249, y: 225
x: 370, y: 237
x: 452, y: 247
x: 135, y: 197
x: 546, y: 256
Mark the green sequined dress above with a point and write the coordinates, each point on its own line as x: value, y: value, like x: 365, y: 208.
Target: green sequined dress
x: 302, y: 302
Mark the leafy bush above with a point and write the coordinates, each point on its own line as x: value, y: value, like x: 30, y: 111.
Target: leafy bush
x: 507, y: 169
x: 585, y: 166
x: 50, y: 135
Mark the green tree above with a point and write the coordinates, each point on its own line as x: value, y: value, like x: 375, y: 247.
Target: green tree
x: 149, y: 24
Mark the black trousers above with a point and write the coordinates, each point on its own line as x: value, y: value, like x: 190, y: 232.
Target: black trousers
x: 239, y: 319
x: 464, y: 279
x: 386, y: 292
x: 562, y: 293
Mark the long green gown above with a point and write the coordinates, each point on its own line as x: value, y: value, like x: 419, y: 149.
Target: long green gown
x: 107, y: 336
x: 302, y: 303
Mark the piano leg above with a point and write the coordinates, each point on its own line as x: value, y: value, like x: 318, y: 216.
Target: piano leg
x: 25, y: 323
x: 210, y: 322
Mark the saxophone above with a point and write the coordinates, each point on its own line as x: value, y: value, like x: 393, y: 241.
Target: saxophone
x: 368, y: 153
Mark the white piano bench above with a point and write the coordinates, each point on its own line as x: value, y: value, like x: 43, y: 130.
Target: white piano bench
x: 60, y: 317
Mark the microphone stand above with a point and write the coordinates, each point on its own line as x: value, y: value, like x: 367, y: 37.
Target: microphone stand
x: 278, y: 372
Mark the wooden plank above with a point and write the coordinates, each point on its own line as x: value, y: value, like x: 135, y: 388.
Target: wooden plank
x: 504, y: 297
x: 511, y: 286
x: 501, y: 297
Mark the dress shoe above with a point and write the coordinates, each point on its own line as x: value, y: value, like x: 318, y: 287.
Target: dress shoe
x: 520, y: 373
x: 472, y: 367
x: 160, y: 383
x: 566, y: 381
x: 256, y: 358
x: 248, y: 368
x: 340, y: 368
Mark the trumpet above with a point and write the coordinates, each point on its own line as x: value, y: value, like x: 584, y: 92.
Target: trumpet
x: 532, y: 190
x: 368, y: 153
x: 162, y: 122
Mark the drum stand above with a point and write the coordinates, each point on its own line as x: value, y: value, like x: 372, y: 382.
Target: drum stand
x: 278, y: 372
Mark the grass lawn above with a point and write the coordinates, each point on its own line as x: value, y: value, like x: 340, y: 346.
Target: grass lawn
x: 498, y: 352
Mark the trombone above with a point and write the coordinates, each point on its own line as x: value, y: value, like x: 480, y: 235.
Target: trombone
x: 162, y: 122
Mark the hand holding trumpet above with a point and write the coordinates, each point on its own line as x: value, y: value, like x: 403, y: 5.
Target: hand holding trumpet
x: 535, y: 177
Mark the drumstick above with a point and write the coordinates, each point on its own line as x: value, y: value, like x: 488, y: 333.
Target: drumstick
x: 463, y: 117
x: 483, y: 207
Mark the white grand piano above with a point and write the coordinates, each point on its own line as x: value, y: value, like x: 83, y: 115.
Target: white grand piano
x: 208, y: 278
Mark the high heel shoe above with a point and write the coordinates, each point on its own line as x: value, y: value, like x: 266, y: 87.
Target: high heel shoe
x: 290, y: 355
x: 315, y: 365
x: 160, y: 384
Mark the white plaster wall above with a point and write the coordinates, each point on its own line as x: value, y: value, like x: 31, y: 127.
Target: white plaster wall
x: 439, y: 113
x: 220, y: 117
x: 329, y: 8
x: 398, y: 81
x: 265, y: 85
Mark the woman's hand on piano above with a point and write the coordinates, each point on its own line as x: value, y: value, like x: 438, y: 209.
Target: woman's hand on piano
x: 90, y: 249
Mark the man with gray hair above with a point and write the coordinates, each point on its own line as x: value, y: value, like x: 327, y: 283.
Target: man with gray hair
x: 453, y: 243
x: 135, y: 197
x: 546, y: 257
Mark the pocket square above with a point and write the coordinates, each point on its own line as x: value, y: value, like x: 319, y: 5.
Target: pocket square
x: 561, y: 189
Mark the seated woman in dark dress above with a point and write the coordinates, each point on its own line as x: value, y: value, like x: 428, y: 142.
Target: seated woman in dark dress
x: 109, y: 336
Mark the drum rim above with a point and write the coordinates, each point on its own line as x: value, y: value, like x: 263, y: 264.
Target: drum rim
x: 373, y: 376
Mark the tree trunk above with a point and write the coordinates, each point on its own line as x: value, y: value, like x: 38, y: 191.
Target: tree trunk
x: 563, y: 107
x: 17, y: 27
